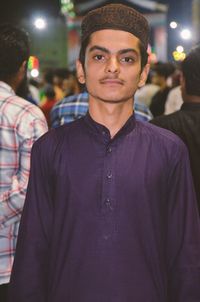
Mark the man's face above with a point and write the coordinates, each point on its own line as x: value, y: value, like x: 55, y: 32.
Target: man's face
x: 112, y: 70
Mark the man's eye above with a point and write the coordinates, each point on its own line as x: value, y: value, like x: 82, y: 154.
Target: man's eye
x: 99, y: 57
x: 127, y: 60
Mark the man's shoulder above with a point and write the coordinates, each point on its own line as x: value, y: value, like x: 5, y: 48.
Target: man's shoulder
x: 142, y: 112
x: 17, y: 107
x: 16, y: 103
x: 165, y: 119
x: 161, y: 136
x: 81, y: 98
x: 58, y: 135
x: 172, y: 122
x: 69, y: 109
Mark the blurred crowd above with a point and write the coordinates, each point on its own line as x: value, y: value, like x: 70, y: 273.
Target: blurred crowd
x: 53, y: 86
x: 160, y: 95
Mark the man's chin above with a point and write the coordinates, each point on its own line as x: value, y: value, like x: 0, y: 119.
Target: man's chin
x: 113, y: 100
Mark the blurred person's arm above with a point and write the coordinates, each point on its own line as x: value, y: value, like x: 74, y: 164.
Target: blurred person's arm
x: 12, y: 200
x: 31, y: 264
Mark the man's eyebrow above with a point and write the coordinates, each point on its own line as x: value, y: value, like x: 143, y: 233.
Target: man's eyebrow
x: 96, y: 47
x: 122, y: 51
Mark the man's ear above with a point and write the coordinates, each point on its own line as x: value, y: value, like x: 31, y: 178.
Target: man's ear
x: 144, y: 75
x: 80, y: 72
x: 23, y: 67
x: 22, y: 71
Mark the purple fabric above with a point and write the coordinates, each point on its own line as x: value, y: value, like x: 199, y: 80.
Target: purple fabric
x: 108, y: 220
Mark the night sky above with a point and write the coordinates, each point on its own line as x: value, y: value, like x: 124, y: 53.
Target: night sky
x: 14, y: 10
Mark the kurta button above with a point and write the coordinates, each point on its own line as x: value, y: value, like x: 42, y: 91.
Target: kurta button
x: 109, y: 150
x: 104, y: 132
x: 106, y: 237
x: 108, y: 204
x: 109, y: 175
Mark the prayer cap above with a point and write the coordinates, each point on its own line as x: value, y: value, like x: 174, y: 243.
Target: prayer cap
x: 119, y: 17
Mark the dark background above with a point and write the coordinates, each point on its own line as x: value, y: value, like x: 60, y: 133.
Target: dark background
x: 14, y: 10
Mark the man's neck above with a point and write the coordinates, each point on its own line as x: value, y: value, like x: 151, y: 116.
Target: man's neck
x: 112, y: 116
x: 13, y: 84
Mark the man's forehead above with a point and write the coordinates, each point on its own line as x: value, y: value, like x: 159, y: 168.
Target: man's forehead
x: 114, y: 39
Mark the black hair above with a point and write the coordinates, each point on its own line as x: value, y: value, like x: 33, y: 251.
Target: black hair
x: 49, y: 91
x: 63, y: 73
x: 191, y: 71
x: 84, y: 44
x: 48, y: 75
x: 14, y: 50
x: 164, y: 69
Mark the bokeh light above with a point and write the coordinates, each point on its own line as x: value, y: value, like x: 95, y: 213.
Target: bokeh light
x: 173, y: 24
x: 40, y: 23
x: 185, y: 34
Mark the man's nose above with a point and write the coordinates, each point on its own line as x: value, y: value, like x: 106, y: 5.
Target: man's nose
x: 112, y: 65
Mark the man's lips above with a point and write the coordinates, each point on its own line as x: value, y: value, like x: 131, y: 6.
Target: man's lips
x: 111, y: 81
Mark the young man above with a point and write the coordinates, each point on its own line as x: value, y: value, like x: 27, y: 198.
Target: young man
x: 110, y: 214
x: 21, y: 124
x: 186, y: 121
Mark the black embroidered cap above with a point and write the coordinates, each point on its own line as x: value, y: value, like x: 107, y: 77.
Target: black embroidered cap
x: 116, y: 16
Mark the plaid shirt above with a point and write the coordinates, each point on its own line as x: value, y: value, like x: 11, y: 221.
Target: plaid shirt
x: 21, y: 123
x: 76, y: 106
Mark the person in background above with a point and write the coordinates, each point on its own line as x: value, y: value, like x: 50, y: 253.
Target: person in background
x: 70, y: 85
x: 186, y: 121
x: 60, y: 74
x: 145, y: 94
x: 21, y: 124
x: 46, y: 80
x: 49, y: 102
x: 110, y: 213
x: 160, y: 76
x: 33, y: 86
x: 174, y: 99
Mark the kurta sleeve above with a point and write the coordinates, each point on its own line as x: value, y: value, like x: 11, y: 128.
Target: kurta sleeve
x: 183, y: 243
x: 30, y: 269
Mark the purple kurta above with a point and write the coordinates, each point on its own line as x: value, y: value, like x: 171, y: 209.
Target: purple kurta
x: 108, y: 220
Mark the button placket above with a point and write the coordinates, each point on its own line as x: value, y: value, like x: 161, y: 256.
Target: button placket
x: 108, y: 198
x: 108, y: 180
